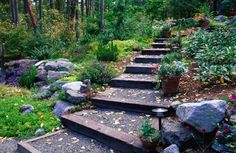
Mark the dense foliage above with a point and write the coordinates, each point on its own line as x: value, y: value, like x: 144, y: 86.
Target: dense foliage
x: 215, y: 53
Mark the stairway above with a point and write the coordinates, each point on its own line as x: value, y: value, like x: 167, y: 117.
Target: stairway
x: 133, y: 93
x: 122, y: 108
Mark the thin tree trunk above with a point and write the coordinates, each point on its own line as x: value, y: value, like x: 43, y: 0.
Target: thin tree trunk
x: 82, y: 9
x: 51, y: 4
x: 29, y: 10
x: 16, y: 12
x: 12, y: 10
x: 68, y: 11
x: 77, y: 22
x: 3, y: 70
x: 40, y: 15
x: 101, y: 16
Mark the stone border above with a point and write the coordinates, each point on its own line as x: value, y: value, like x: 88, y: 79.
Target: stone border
x: 118, y: 140
x: 25, y: 147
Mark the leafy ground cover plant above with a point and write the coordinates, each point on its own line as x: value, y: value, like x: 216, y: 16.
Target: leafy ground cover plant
x: 24, y: 126
x: 215, y: 54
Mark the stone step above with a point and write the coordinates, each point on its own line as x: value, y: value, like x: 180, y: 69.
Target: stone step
x: 65, y: 141
x: 161, y: 40
x: 108, y: 127
x: 155, y: 51
x: 140, y: 68
x: 148, y: 59
x: 135, y: 100
x: 138, y: 81
x: 160, y: 45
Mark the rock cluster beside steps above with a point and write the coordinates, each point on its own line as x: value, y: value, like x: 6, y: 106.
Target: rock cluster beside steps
x: 48, y: 71
x: 196, y: 123
x: 74, y: 93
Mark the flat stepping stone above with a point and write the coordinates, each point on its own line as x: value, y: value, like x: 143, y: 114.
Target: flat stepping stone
x: 112, y: 137
x: 138, y: 81
x: 155, y: 51
x: 148, y: 59
x: 159, y: 45
x: 135, y: 100
x: 65, y: 141
x: 140, y: 68
x: 161, y: 39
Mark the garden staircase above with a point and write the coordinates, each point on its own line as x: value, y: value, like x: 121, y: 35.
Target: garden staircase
x: 131, y: 96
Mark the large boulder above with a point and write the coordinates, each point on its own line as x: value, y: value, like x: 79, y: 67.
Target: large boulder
x: 15, y: 69
x: 172, y: 149
x: 62, y: 107
x: 44, y: 93
x: 74, y: 86
x: 60, y: 65
x: 75, y: 97
x: 203, y: 116
x: 173, y: 132
x: 55, y: 75
x: 221, y: 18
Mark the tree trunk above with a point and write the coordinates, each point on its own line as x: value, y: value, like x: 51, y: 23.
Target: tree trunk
x: 77, y: 22
x: 51, y: 4
x: 3, y: 70
x: 82, y: 9
x: 68, y: 11
x: 40, y: 15
x: 29, y: 10
x: 16, y: 12
x: 101, y: 15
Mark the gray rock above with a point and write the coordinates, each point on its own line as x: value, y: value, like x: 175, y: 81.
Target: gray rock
x: 220, y: 18
x: 87, y: 82
x: 57, y: 85
x: 60, y: 65
x: 55, y: 95
x: 175, y: 104
x: 62, y: 107
x: 84, y: 88
x: 75, y: 97
x: 39, y: 132
x: 203, y: 116
x: 44, y: 93
x: 25, y: 109
x: 40, y: 63
x: 233, y: 119
x: 74, y: 86
x: 173, y: 132
x: 172, y: 149
x: 42, y: 75
x: 55, y: 75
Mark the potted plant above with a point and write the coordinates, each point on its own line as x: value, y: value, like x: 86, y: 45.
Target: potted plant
x: 149, y: 136
x: 169, y: 74
x: 166, y: 31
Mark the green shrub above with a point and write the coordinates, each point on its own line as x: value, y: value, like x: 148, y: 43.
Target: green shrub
x: 171, y: 57
x: 107, y: 53
x: 149, y: 133
x: 62, y: 95
x: 28, y: 78
x: 97, y: 72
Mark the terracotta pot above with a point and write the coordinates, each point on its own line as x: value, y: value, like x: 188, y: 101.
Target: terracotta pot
x: 149, y: 145
x: 166, y: 34
x: 170, y: 85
